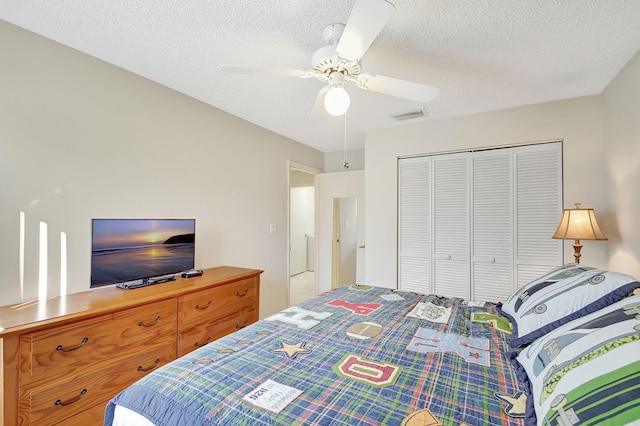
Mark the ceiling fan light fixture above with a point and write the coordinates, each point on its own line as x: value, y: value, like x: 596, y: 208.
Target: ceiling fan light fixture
x: 337, y: 100
x: 339, y: 61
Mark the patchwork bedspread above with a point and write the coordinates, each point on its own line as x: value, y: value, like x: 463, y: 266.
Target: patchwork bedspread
x: 357, y: 355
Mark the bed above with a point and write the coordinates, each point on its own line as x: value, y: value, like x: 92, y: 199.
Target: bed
x: 363, y: 355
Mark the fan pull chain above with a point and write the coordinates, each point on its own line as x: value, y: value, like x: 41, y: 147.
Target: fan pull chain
x: 345, y: 163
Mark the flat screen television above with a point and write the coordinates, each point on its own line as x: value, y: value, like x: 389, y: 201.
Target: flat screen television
x: 125, y: 250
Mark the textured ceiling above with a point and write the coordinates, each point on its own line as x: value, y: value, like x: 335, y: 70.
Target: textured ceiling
x: 482, y: 54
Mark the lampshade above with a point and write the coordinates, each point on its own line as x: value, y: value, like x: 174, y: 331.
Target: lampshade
x: 579, y: 224
x: 337, y: 100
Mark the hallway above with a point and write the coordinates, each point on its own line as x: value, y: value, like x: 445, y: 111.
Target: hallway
x: 301, y: 287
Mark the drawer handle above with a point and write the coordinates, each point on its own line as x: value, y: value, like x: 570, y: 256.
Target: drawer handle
x: 155, y: 364
x: 242, y: 295
x: 60, y: 348
x: 64, y: 404
x: 141, y: 323
x: 202, y: 309
x: 243, y: 325
x: 202, y: 344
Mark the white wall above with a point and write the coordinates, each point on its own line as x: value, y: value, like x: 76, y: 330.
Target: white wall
x: 601, y: 161
x: 622, y: 166
x: 328, y: 187
x: 81, y: 139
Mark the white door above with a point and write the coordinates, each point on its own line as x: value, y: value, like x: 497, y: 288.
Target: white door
x: 451, y: 225
x: 414, y: 225
x: 538, y: 210
x: 492, y: 225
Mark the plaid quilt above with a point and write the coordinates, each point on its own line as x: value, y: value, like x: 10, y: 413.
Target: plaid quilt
x: 356, y: 355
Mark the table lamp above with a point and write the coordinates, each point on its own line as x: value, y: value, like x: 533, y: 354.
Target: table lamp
x: 578, y: 224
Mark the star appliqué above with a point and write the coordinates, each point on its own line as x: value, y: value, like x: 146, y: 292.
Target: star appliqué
x: 516, y: 403
x: 291, y: 351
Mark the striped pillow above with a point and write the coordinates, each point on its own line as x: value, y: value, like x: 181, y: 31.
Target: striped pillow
x: 562, y: 295
x: 587, y: 371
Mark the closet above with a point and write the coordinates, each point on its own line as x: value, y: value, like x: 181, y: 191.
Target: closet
x: 478, y: 224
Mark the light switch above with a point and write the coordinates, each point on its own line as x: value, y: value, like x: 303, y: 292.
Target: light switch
x: 273, y: 228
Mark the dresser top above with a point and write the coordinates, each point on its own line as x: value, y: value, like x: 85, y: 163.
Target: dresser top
x: 35, y: 315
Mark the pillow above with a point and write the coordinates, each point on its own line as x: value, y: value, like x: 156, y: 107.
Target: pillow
x: 564, y: 294
x: 586, y: 370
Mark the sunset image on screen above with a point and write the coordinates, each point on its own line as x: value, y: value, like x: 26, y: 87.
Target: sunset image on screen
x: 128, y: 249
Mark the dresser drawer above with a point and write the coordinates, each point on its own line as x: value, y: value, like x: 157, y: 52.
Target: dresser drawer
x: 51, y: 353
x: 217, y: 302
x: 61, y: 399
x: 92, y: 416
x: 203, y: 334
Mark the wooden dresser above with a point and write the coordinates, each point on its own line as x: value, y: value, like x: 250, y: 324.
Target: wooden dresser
x: 64, y: 358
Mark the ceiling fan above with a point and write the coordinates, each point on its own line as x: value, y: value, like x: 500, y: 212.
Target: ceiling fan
x: 339, y: 61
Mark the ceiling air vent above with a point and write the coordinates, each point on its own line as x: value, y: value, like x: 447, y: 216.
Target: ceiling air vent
x: 408, y: 115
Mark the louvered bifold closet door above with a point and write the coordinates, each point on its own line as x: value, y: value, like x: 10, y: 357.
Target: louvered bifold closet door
x: 451, y: 225
x: 414, y: 225
x: 492, y: 225
x: 538, y: 210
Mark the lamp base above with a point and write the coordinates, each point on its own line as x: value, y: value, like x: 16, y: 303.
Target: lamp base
x: 576, y: 251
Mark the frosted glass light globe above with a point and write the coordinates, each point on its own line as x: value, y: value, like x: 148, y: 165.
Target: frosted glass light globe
x: 337, y: 101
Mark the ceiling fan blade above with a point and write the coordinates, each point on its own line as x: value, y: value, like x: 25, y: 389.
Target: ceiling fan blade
x: 399, y: 88
x: 367, y: 19
x: 318, y: 110
x: 234, y: 69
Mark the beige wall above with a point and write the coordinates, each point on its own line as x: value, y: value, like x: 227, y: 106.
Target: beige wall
x: 600, y: 164
x: 621, y: 105
x: 82, y: 139
x: 334, y: 161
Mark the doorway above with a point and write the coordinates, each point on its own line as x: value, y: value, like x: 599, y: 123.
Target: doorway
x: 344, y: 242
x: 302, y: 238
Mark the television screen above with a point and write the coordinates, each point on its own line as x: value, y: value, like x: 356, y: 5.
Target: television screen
x: 132, y: 249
